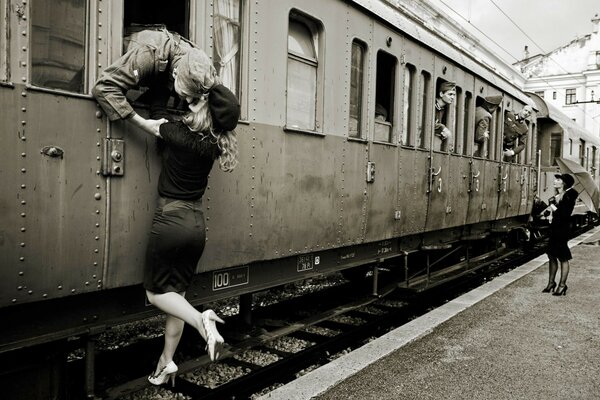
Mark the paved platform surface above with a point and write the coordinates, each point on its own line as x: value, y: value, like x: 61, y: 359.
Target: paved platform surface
x: 504, y: 340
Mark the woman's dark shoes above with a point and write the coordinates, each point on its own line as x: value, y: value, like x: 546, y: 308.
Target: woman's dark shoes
x: 549, y: 288
x: 561, y: 291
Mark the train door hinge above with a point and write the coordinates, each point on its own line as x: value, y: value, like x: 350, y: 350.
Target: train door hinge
x: 113, y: 159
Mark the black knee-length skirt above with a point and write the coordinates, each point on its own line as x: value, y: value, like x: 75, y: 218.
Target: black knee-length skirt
x: 558, y: 244
x: 176, y: 243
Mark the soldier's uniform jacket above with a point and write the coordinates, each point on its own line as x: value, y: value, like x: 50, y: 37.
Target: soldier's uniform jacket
x: 482, y: 123
x: 149, y: 59
x: 514, y: 128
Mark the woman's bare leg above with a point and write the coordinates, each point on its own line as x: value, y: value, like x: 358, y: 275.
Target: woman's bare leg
x: 175, y: 305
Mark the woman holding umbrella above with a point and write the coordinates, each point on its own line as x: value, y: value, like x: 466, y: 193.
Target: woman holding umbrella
x: 561, y: 206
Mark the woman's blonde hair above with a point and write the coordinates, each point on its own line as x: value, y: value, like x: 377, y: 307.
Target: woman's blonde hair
x: 200, y: 122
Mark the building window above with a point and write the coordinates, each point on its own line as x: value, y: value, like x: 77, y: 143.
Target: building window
x: 302, y: 74
x: 582, y: 152
x: 227, y: 42
x: 570, y: 96
x: 593, y: 168
x: 58, y: 36
x: 407, y: 138
x: 384, y: 97
x: 356, y: 90
x: 553, y: 95
x: 540, y: 93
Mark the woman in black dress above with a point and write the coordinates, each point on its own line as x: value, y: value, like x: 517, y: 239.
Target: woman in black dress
x: 561, y: 207
x: 188, y: 149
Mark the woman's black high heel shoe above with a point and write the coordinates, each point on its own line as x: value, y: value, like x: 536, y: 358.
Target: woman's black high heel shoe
x: 561, y: 291
x: 549, y: 288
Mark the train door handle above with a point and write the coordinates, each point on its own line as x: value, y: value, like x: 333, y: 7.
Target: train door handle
x: 504, y: 182
x: 475, y: 180
x: 52, y: 151
x: 431, y: 176
x: 439, y: 188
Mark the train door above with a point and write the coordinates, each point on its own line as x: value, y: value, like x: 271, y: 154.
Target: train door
x: 415, y: 162
x: 131, y: 189
x: 382, y: 166
x: 447, y: 187
x: 512, y: 179
x: 50, y: 126
x: 484, y: 170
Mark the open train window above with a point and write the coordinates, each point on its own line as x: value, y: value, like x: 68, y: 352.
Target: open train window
x: 593, y: 167
x: 303, y: 65
x: 407, y: 137
x: 424, y: 109
x: 58, y: 37
x: 384, y: 97
x: 444, y: 116
x: 4, y: 34
x: 555, y: 147
x: 356, y: 90
x: 467, y: 138
x: 457, y: 116
x: 138, y: 14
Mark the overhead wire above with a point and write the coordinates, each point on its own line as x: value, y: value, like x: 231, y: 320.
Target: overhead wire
x: 508, y: 52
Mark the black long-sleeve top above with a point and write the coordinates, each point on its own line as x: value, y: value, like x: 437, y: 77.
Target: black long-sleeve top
x: 187, y: 157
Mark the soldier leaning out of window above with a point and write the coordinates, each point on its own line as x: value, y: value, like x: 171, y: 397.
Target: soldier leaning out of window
x: 443, y: 135
x: 515, y: 132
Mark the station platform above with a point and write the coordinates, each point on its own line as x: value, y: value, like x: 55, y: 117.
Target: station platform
x: 503, y: 340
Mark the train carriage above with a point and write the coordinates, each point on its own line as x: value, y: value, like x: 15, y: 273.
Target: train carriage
x: 323, y: 184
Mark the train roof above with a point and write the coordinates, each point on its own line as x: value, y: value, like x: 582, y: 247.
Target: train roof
x: 419, y: 31
x: 547, y: 110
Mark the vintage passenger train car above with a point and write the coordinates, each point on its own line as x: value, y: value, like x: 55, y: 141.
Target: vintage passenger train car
x: 322, y: 185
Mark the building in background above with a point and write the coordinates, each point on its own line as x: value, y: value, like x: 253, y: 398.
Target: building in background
x: 569, y: 78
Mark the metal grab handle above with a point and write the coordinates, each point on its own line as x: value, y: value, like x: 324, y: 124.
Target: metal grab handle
x: 439, y: 189
x: 430, y: 180
x: 436, y: 173
x: 475, y: 181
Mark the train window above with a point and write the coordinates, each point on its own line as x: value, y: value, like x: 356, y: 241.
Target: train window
x: 570, y: 96
x: 425, y: 102
x: 587, y: 158
x: 466, y: 141
x: 58, y: 36
x: 406, y: 137
x: 457, y: 116
x: 356, y: 89
x: 139, y: 14
x: 302, y: 74
x: 227, y: 42
x: 384, y: 97
x: 593, y: 168
x: 3, y: 42
x: 570, y: 147
x: 555, y: 146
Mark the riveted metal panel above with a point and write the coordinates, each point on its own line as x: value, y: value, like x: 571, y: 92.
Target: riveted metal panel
x: 491, y: 175
x: 10, y: 199
x: 59, y: 196
x: 382, y: 192
x: 132, y: 200
x: 457, y: 187
x: 476, y: 190
x: 412, y: 205
x: 509, y: 190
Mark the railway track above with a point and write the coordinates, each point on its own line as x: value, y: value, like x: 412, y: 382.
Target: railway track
x: 287, y: 344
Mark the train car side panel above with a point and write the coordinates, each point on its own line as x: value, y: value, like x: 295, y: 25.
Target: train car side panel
x: 59, y: 198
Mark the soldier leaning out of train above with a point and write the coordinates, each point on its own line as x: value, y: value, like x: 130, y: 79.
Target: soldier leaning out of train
x: 443, y: 139
x: 188, y: 148
x: 515, y: 132
x: 152, y: 58
x: 483, y: 119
